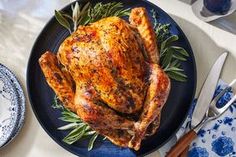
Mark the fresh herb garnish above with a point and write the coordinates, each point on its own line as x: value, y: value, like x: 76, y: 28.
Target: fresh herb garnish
x: 62, y: 20
x: 101, y: 10
x: 88, y: 14
x: 170, y: 57
x: 78, y: 129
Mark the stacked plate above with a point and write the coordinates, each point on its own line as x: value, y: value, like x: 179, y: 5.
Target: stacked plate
x: 12, y: 106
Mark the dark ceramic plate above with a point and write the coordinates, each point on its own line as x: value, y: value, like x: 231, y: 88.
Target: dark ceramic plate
x: 41, y: 96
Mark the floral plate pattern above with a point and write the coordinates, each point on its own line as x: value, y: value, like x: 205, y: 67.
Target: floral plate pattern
x: 218, y: 137
x: 8, y: 109
x: 18, y: 99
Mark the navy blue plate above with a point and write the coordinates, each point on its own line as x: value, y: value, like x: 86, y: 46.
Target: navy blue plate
x: 41, y: 96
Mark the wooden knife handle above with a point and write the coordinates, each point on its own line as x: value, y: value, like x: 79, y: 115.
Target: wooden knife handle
x: 185, y: 152
x: 180, y: 146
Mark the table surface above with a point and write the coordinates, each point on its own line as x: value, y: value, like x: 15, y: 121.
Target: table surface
x: 20, y: 25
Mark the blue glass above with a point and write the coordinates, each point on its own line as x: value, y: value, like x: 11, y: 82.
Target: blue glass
x: 218, y: 6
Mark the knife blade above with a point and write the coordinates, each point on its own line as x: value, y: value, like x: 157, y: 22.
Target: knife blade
x: 207, y: 91
x: 203, y: 103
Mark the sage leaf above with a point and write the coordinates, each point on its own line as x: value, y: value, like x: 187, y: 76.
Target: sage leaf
x: 68, y: 126
x: 69, y: 119
x: 75, y: 11
x: 91, y: 142
x: 74, y: 135
x: 177, y: 77
x: 89, y: 133
x: 167, y: 58
x: 168, y: 41
x: 70, y: 114
x: 179, y: 57
x: 62, y: 20
x: 180, y: 50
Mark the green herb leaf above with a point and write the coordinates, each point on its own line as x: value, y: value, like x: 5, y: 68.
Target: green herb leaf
x: 83, y: 20
x: 177, y: 76
x: 69, y: 119
x: 168, y: 41
x: 180, y: 50
x: 167, y: 57
x: 78, y: 127
x: 70, y: 114
x: 75, y: 135
x: 57, y: 104
x: 179, y: 57
x: 68, y: 126
x: 101, y: 10
x: 91, y: 142
x: 173, y: 69
x: 60, y: 18
x: 89, y: 133
x: 75, y: 11
x: 170, y: 55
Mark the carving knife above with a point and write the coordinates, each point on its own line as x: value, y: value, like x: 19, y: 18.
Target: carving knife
x: 201, y: 107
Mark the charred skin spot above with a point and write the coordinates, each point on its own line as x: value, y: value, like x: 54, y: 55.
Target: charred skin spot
x: 94, y: 71
x: 58, y: 77
x: 74, y: 49
x: 131, y: 103
x: 120, y: 133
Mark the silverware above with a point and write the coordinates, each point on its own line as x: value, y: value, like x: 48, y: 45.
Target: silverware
x: 207, y: 91
x: 201, y: 108
x: 214, y: 112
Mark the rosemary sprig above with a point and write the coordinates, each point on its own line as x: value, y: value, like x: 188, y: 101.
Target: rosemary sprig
x: 78, y: 129
x: 170, y: 55
x: 88, y: 14
x: 101, y: 10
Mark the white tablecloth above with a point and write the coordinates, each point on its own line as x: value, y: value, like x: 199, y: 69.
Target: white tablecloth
x: 22, y: 20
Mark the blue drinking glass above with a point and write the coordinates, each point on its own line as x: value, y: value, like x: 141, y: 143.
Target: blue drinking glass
x: 218, y: 6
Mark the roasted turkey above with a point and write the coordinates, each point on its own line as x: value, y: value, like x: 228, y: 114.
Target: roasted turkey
x: 108, y: 73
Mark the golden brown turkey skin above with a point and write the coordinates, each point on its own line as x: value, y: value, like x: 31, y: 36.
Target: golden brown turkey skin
x: 110, y: 73
x: 139, y: 19
x: 107, y: 54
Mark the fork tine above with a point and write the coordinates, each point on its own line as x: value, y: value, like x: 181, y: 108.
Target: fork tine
x: 214, y: 101
x: 223, y: 109
x: 218, y: 96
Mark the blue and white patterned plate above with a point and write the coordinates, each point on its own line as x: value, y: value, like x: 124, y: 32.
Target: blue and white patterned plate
x: 9, y: 109
x: 21, y: 101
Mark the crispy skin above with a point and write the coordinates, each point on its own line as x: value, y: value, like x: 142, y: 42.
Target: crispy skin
x: 139, y: 18
x: 155, y: 99
x: 57, y: 80
x: 101, y: 118
x: 98, y: 116
x: 110, y: 71
x: 152, y: 128
x: 107, y: 54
